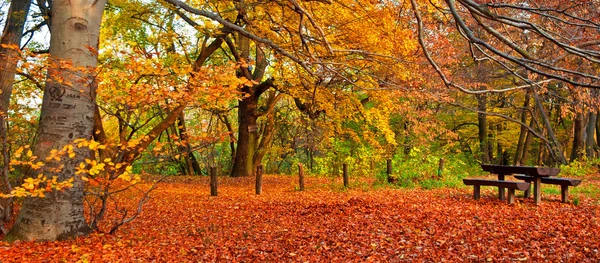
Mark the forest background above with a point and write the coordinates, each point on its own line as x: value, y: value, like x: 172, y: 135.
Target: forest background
x: 173, y: 88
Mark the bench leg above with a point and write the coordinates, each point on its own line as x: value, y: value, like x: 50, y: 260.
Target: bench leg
x: 476, y: 192
x: 536, y: 190
x: 527, y: 192
x: 501, y: 189
x: 564, y: 193
x: 511, y: 195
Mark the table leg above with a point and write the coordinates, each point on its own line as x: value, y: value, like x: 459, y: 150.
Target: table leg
x: 501, y: 189
x: 537, y: 181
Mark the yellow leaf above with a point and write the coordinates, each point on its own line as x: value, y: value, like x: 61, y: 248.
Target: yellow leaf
x: 29, y: 153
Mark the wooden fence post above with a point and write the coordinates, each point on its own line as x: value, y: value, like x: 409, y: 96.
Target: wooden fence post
x: 259, y: 179
x: 213, y: 181
x: 345, y: 167
x: 301, y: 176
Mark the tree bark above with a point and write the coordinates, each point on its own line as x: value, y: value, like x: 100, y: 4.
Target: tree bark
x: 268, y: 129
x: 192, y: 164
x: 483, y: 128
x: 527, y: 143
x: 243, y: 164
x: 554, y: 148
x: 67, y: 114
x: 9, y: 55
x: 590, y: 131
x: 9, y: 48
x: 523, y: 133
x: 578, y: 142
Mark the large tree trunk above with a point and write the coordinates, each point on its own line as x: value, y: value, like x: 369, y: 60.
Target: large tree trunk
x: 67, y: 114
x: 243, y: 164
x: 247, y: 144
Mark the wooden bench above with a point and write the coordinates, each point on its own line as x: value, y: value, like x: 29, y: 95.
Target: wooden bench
x: 563, y: 182
x: 510, y: 185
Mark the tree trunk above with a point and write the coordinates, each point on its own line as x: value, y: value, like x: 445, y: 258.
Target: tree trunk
x: 590, y: 131
x: 597, y: 128
x: 9, y: 48
x: 554, y: 148
x: 527, y: 143
x: 243, y: 164
x: 523, y: 133
x: 192, y: 164
x: 9, y: 55
x: 267, y: 129
x: 578, y: 142
x: 483, y: 128
x: 232, y: 139
x: 67, y: 114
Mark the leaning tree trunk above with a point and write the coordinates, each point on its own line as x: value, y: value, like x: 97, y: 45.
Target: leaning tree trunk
x: 67, y: 114
x: 9, y: 45
x: 9, y: 55
x: 554, y: 147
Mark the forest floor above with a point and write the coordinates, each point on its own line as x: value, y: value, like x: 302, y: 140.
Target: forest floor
x: 327, y: 223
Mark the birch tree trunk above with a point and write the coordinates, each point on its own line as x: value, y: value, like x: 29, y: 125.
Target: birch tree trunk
x: 67, y: 114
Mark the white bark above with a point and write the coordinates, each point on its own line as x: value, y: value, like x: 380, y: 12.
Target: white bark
x: 67, y: 114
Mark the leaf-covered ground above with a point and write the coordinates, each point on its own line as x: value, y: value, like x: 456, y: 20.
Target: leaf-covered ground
x: 182, y: 223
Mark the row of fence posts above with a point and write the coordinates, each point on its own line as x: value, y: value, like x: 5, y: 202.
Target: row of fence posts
x: 259, y: 174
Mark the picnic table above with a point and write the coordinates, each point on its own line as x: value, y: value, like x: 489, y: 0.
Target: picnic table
x: 537, y: 173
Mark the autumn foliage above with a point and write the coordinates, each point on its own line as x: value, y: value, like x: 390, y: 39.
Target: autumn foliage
x: 325, y: 223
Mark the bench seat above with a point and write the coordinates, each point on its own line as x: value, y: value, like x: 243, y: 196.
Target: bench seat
x: 510, y: 185
x: 563, y: 182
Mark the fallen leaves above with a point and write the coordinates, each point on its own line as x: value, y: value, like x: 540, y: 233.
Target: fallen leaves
x: 183, y: 223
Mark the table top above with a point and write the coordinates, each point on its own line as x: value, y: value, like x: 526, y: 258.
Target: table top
x: 527, y: 170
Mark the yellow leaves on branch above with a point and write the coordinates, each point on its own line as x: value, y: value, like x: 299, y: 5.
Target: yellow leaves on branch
x: 92, y: 171
x: 98, y: 172
x: 27, y: 159
x: 91, y: 144
x: 38, y: 186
